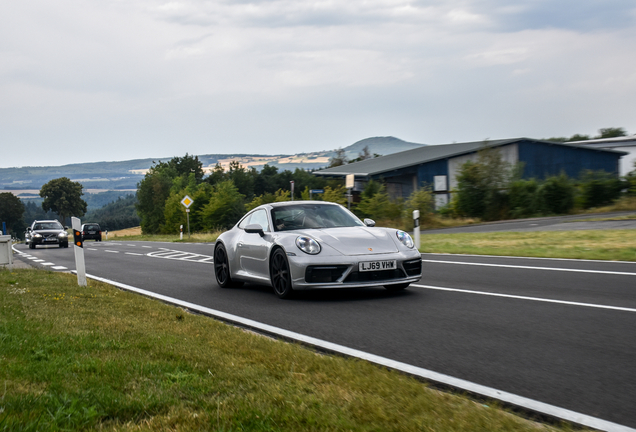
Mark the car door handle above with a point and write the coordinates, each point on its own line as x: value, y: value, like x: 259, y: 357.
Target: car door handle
x: 240, y: 244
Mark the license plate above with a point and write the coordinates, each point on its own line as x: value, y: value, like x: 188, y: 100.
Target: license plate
x: 91, y: 232
x: 377, y: 265
x: 50, y: 239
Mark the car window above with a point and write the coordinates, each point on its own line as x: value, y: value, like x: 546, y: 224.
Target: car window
x: 260, y: 217
x: 48, y: 226
x: 308, y: 216
x: 245, y: 222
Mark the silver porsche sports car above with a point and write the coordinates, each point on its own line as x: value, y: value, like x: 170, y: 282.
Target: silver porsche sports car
x: 299, y: 245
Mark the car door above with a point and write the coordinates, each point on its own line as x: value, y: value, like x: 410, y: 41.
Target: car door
x: 253, y: 249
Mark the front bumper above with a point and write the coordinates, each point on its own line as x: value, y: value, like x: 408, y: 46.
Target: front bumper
x: 315, y: 272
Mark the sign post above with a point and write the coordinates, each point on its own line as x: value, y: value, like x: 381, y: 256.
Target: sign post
x: 315, y: 191
x: 187, y: 202
x: 416, y: 228
x: 292, y: 189
x: 78, y: 248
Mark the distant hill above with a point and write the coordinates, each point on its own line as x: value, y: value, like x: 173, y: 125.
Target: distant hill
x: 124, y: 175
x: 379, y: 145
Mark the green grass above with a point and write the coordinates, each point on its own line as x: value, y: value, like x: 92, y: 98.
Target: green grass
x: 617, y: 245
x: 97, y: 358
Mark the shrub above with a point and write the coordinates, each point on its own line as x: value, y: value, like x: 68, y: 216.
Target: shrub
x: 599, y: 188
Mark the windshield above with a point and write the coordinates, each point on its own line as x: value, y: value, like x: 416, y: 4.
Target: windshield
x: 48, y: 226
x: 311, y: 216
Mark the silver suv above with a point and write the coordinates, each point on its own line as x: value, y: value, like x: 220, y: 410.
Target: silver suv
x: 45, y: 232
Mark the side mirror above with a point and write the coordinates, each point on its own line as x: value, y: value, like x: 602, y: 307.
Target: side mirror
x: 254, y: 229
x: 369, y: 222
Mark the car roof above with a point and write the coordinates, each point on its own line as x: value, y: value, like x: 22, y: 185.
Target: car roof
x: 288, y: 203
x: 46, y: 220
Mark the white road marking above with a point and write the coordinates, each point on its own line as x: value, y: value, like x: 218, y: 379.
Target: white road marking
x: 131, y: 245
x: 181, y: 256
x: 532, y: 267
x: 539, y: 299
x: 91, y: 249
x: 529, y: 258
x: 149, y: 247
x: 33, y: 258
x: 456, y: 383
x: 110, y: 251
x: 133, y: 253
x: 48, y: 264
x: 38, y: 260
x: 59, y: 268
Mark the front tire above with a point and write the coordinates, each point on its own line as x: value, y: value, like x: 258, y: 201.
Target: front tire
x: 31, y: 245
x: 397, y: 287
x: 280, y: 274
x: 222, y: 268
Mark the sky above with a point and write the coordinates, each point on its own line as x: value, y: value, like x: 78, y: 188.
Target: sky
x: 111, y: 80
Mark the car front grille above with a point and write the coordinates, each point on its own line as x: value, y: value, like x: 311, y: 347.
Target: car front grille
x: 413, y: 267
x: 375, y: 276
x: 324, y: 274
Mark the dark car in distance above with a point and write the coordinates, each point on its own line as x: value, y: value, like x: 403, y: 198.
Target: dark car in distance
x: 91, y: 231
x: 46, y: 232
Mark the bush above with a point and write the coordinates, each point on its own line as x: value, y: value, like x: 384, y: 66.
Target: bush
x: 525, y: 199
x: 557, y: 194
x: 599, y: 188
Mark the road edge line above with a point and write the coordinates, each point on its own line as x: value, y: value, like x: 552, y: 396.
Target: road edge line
x: 526, y: 404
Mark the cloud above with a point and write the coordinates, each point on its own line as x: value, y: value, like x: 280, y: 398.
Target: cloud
x: 148, y: 79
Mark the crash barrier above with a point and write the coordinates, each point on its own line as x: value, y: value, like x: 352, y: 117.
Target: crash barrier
x: 6, y: 254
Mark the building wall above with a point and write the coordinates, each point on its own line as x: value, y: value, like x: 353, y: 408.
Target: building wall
x: 542, y: 160
x: 626, y: 164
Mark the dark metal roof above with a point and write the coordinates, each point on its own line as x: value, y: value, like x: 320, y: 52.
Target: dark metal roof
x: 429, y: 153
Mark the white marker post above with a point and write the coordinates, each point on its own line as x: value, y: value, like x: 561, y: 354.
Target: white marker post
x: 187, y: 202
x: 416, y: 228
x: 180, y: 232
x: 78, y: 247
x: 350, y: 182
x: 292, y: 189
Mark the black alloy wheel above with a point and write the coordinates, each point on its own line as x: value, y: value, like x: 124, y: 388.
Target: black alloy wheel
x: 280, y: 274
x: 222, y: 268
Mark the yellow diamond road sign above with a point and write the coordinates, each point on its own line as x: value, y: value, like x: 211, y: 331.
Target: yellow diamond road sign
x: 187, y: 201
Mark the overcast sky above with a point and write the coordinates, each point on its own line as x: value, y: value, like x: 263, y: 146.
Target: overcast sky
x: 85, y: 81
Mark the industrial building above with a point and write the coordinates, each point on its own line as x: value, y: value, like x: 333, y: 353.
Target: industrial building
x: 438, y: 165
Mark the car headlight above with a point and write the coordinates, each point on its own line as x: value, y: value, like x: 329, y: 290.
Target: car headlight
x: 308, y: 245
x: 62, y: 234
x: 37, y: 235
x: 404, y: 238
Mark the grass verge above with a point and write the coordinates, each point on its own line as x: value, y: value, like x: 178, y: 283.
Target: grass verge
x: 98, y: 358
x: 619, y: 245
x: 135, y: 234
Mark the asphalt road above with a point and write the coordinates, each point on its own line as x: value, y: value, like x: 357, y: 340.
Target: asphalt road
x: 555, y: 223
x: 558, y: 331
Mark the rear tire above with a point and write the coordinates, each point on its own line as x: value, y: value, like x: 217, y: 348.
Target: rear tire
x: 222, y: 268
x: 280, y: 274
x: 397, y: 287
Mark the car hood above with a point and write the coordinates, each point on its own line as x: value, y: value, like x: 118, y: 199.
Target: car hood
x: 355, y: 240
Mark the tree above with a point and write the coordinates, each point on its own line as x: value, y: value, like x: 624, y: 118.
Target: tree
x: 339, y: 159
x: 152, y: 193
x: 482, y: 186
x: 422, y: 200
x: 11, y: 211
x: 64, y: 197
x: 186, y: 165
x: 611, y: 133
x: 225, y: 207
